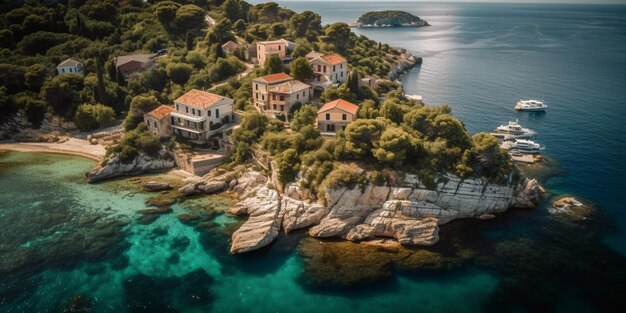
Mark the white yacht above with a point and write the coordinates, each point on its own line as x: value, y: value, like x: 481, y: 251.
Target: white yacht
x: 530, y: 105
x: 525, y: 146
x: 513, y: 130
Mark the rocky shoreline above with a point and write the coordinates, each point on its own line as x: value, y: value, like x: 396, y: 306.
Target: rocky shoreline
x: 114, y: 167
x: 406, y: 62
x: 406, y: 211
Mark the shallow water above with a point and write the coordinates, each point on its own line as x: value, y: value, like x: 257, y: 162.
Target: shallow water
x: 62, y: 237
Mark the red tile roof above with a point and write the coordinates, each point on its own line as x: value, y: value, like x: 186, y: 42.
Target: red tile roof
x: 275, y: 77
x: 289, y: 87
x: 199, y: 99
x: 339, y: 104
x: 161, y: 112
x: 333, y: 59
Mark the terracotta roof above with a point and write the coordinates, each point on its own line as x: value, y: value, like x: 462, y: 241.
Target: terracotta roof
x: 230, y: 43
x: 339, y: 104
x: 274, y: 77
x: 161, y: 112
x: 333, y: 59
x: 69, y: 62
x: 314, y: 55
x: 199, y: 99
x: 289, y: 87
x: 142, y: 58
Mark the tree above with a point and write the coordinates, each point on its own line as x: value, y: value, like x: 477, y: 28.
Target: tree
x: 392, y: 110
x: 306, y: 24
x: 361, y: 135
x: 179, y: 73
x: 273, y: 65
x: 353, y: 83
x: 189, y: 16
x: 368, y: 110
x: 62, y: 93
x: 300, y: 51
x: 305, y: 116
x: 288, y: 164
x: 232, y: 9
x: 197, y: 59
x: 337, y: 36
x: 165, y: 11
x: 139, y: 106
x: 155, y: 79
x: 12, y: 77
x: 301, y: 69
x: 92, y: 116
x: 35, y: 76
x: 33, y: 109
x: 341, y: 92
x: 393, y: 146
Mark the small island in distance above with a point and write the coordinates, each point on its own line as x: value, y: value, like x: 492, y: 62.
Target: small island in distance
x: 389, y: 19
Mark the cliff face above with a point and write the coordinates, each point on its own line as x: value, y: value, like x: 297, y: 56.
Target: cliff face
x: 406, y: 62
x: 407, y: 211
x: 114, y: 167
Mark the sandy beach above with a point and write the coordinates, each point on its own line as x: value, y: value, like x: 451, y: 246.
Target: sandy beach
x: 73, y: 146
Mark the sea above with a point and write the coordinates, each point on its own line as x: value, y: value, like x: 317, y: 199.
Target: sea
x: 68, y: 246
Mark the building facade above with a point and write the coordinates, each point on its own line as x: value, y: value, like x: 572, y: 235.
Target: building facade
x: 159, y: 121
x: 230, y: 46
x: 275, y: 94
x: 329, y: 69
x: 335, y: 116
x: 71, y: 66
x: 265, y: 49
x: 198, y: 115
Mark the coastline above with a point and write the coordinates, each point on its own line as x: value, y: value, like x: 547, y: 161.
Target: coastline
x: 74, y: 146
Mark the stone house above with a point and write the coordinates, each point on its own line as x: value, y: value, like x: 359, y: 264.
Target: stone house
x: 230, y: 46
x: 71, y: 66
x: 159, y: 121
x: 329, y: 69
x: 275, y: 94
x: 198, y: 115
x: 335, y: 115
x: 265, y: 49
x: 133, y: 64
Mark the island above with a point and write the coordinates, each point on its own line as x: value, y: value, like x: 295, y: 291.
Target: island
x: 389, y: 19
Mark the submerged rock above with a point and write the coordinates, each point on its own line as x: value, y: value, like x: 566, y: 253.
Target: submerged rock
x: 156, y: 186
x: 213, y: 187
x: 159, y: 210
x: 570, y: 207
x: 79, y: 304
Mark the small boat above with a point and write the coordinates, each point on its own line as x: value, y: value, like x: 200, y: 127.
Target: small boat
x: 524, y: 146
x: 531, y: 105
x: 514, y: 130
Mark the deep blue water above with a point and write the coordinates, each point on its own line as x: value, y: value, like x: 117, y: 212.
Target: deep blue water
x: 61, y: 237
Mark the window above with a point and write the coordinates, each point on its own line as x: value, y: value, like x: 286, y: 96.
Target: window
x: 257, y: 96
x: 62, y: 70
x: 187, y: 123
x: 256, y: 86
x: 208, y: 113
x: 274, y: 107
x: 280, y: 48
x: 193, y: 111
x: 342, y: 74
x: 201, y: 126
x: 199, y: 113
x: 274, y: 97
x: 282, y: 107
x: 70, y: 69
x: 341, y: 66
x: 334, y: 69
x: 263, y: 97
x: 282, y: 98
x: 324, y: 68
x: 328, y: 116
x: 344, y: 117
x: 319, y: 68
x: 304, y: 93
x: 186, y: 109
x: 179, y: 119
x: 177, y: 109
x: 217, y: 113
x: 297, y: 97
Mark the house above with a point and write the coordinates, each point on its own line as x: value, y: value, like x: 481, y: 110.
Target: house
x: 230, y: 46
x: 198, y: 115
x: 265, y: 49
x: 133, y: 64
x: 71, y: 66
x: 335, y: 115
x: 275, y: 94
x: 329, y: 69
x: 158, y: 120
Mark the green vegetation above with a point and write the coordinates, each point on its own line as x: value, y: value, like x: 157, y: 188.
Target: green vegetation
x: 92, y: 116
x: 392, y: 18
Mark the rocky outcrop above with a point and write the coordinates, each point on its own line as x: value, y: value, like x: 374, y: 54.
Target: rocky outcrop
x: 156, y: 186
x: 114, y: 167
x: 408, y: 211
x: 406, y: 62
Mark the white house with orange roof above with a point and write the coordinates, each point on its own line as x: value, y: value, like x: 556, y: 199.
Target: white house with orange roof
x: 335, y: 115
x: 199, y: 114
x: 329, y: 69
x: 274, y: 94
x: 158, y: 120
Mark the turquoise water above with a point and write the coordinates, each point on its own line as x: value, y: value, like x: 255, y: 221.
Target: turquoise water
x: 62, y: 237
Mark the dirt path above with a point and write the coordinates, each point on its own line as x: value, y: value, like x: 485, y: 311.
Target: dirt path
x: 248, y: 70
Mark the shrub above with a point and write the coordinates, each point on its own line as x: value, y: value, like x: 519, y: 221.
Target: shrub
x: 92, y: 116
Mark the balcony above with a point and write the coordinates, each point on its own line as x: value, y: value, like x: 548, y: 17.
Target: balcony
x: 191, y: 118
